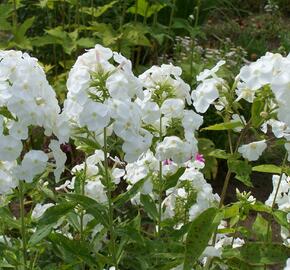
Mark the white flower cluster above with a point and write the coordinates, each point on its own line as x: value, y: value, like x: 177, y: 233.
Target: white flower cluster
x: 273, y: 70
x: 101, y: 94
x: 191, y: 183
x: 26, y: 99
x: 163, y: 107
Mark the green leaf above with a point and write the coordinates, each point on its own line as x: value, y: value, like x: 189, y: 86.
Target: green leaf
x: 224, y: 126
x: 149, y: 206
x: 281, y: 218
x: 135, y: 34
x: 87, y: 145
x: 199, y: 234
x: 97, y: 12
x: 259, y: 253
x: 172, y: 180
x: 242, y: 170
x: 219, y: 153
x: 79, y: 250
x: 125, y: 197
x: 260, y: 228
x: 231, y: 211
x: 54, y: 213
x: 267, y: 168
x: 257, y: 107
x: 99, y: 211
x: 40, y: 233
x: 6, y: 113
x: 144, y: 9
x: 8, y: 220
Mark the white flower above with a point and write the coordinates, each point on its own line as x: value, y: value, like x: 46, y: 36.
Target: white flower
x: 172, y: 108
x: 240, y: 119
x: 59, y: 157
x: 287, y: 266
x: 210, y: 73
x: 39, y: 210
x: 18, y: 130
x: 117, y: 175
x: 96, y: 190
x: 7, y: 179
x: 33, y: 163
x: 253, y: 151
x: 205, y: 94
x: 95, y: 116
x: 10, y: 148
x: 174, y: 148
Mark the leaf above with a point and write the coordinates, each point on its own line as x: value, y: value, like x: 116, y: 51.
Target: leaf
x: 99, y: 211
x: 224, y: 126
x: 54, y: 213
x: 40, y: 233
x: 242, y: 170
x: 259, y: 253
x: 23, y: 28
x: 281, y: 218
x: 267, y: 168
x: 257, y: 107
x: 199, y: 234
x: 135, y: 34
x: 149, y: 206
x: 79, y: 250
x: 144, y: 9
x: 219, y: 153
x: 97, y: 12
x: 124, y: 197
x: 86, y: 144
x: 231, y: 211
x: 260, y: 228
x: 172, y: 180
x: 8, y: 220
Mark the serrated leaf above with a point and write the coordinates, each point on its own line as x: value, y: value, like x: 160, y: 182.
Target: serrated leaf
x: 199, y: 234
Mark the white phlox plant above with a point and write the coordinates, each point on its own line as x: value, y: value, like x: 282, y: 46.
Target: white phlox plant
x: 26, y: 101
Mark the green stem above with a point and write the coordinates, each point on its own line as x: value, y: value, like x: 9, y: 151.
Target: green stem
x: 22, y: 220
x: 110, y: 204
x: 169, y: 27
x: 197, y: 9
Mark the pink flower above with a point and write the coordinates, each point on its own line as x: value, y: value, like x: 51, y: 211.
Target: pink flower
x: 167, y: 162
x: 199, y: 157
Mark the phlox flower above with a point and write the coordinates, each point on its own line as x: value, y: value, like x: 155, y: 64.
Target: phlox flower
x: 252, y: 151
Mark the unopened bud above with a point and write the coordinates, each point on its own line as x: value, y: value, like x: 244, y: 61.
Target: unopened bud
x: 264, y: 114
